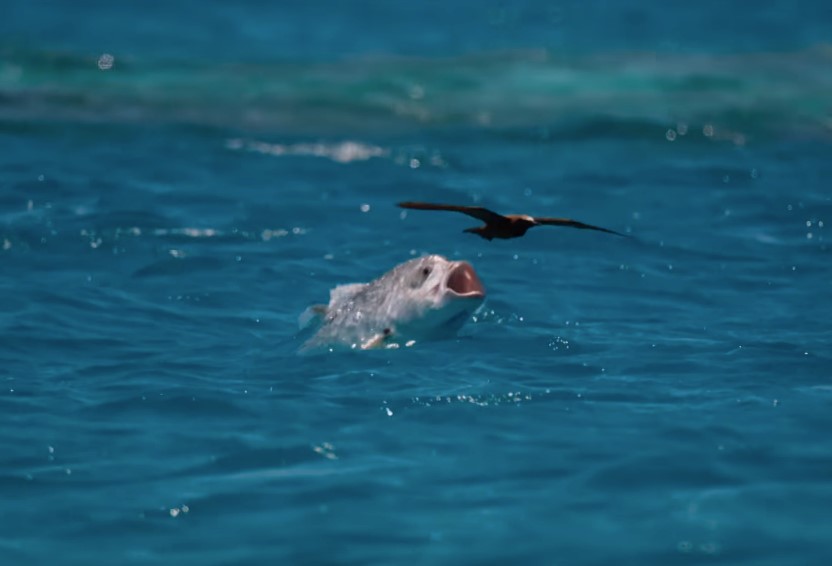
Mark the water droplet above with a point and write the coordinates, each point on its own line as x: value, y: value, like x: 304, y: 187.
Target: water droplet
x: 388, y: 411
x: 105, y: 62
x: 365, y: 208
x: 670, y: 135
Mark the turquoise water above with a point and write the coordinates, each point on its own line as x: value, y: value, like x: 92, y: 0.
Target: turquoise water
x: 664, y: 399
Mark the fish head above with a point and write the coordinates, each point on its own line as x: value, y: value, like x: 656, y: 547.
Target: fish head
x: 436, y: 296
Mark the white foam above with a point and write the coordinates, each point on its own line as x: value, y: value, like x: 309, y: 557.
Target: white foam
x: 341, y: 152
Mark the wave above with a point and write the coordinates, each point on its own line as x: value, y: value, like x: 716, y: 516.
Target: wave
x: 718, y: 97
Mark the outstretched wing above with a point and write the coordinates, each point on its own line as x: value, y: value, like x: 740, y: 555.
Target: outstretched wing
x: 478, y: 212
x: 574, y: 224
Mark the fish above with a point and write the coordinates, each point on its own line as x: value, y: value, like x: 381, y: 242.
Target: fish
x: 425, y: 298
x: 504, y: 226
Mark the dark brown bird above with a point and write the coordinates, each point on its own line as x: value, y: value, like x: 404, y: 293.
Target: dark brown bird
x: 504, y: 227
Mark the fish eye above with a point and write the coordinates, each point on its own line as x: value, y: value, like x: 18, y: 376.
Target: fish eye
x: 426, y: 271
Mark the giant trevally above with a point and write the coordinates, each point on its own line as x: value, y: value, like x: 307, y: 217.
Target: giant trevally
x: 424, y: 298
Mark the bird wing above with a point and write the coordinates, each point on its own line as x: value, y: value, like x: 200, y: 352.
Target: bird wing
x: 574, y: 224
x: 478, y: 212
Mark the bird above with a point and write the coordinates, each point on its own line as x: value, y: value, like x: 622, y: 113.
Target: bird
x: 504, y: 226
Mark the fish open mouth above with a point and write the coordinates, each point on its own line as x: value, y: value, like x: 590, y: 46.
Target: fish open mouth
x: 463, y: 281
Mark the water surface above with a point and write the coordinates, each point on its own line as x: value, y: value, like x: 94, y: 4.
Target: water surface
x: 167, y: 212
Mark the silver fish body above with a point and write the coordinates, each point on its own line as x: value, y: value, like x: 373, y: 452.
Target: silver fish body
x: 425, y: 298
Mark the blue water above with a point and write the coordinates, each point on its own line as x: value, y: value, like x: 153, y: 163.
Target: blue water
x: 665, y: 399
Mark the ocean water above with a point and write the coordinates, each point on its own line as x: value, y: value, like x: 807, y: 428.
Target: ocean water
x: 179, y: 181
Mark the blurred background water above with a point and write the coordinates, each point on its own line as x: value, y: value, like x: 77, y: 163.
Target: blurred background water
x: 178, y: 181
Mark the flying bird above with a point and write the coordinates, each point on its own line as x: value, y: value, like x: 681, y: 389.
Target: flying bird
x: 504, y: 226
